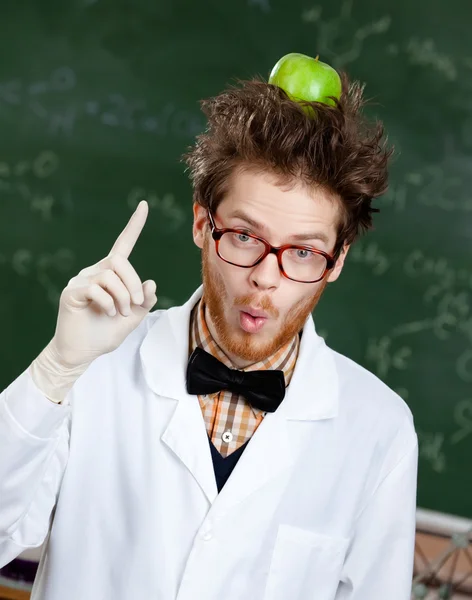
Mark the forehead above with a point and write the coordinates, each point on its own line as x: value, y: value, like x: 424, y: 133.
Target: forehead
x: 285, y: 210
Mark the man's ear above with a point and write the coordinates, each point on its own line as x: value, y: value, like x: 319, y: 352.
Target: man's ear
x: 200, y: 220
x: 338, y: 267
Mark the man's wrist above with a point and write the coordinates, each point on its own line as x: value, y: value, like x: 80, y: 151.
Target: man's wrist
x: 52, y: 377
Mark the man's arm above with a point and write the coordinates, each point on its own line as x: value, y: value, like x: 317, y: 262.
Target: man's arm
x: 379, y: 562
x: 98, y: 309
x: 34, y: 447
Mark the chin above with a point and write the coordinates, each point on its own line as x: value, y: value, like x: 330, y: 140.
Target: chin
x: 247, y: 347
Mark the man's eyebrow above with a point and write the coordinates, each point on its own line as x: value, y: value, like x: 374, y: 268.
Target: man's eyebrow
x: 300, y: 237
x: 316, y: 235
x: 239, y: 214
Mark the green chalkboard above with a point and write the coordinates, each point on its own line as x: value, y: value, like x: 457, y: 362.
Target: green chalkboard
x: 99, y: 99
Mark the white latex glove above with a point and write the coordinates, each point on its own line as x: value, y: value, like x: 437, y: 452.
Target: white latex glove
x: 98, y: 309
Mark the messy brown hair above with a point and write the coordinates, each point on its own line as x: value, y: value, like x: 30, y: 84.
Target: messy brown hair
x: 255, y: 125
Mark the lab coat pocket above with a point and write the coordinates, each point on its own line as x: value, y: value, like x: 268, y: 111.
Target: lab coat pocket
x: 305, y: 565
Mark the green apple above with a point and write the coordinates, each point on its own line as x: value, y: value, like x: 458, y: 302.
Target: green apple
x: 306, y: 78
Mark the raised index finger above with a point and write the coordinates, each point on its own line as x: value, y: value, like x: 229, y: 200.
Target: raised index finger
x: 128, y: 237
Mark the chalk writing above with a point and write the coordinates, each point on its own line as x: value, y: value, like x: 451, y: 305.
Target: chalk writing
x: 264, y: 5
x: 402, y: 392
x: 164, y: 302
x: 41, y: 203
x: 417, y: 263
x: 131, y: 114
x: 62, y: 261
x: 114, y: 110
x: 371, y: 255
x: 451, y: 289
x: 17, y: 92
x: 464, y: 366
x: 335, y: 39
x: 62, y: 121
x: 451, y: 311
x: 437, y: 187
x: 395, y: 197
x: 432, y: 186
x: 431, y: 449
x: 26, y: 263
x: 20, y: 179
x: 44, y: 267
x: 382, y: 353
x: 465, y: 327
x: 312, y: 15
x: 424, y: 52
x: 463, y: 419
x: 42, y: 166
x: 163, y: 203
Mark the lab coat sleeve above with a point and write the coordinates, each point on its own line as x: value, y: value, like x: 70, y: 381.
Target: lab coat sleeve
x: 379, y: 562
x: 34, y: 447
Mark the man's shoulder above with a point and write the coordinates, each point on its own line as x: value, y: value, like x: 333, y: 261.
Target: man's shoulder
x: 363, y: 394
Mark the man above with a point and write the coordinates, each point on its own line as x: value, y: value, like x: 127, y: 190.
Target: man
x: 220, y: 449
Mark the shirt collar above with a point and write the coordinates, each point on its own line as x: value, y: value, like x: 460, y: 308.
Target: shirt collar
x: 284, y: 359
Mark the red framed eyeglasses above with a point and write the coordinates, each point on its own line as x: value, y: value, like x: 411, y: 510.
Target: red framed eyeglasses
x: 240, y: 248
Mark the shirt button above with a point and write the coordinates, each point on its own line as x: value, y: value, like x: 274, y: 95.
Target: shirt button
x: 207, y: 536
x: 227, y: 437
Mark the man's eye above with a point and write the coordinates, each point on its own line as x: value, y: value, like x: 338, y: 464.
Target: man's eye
x: 242, y: 237
x: 304, y: 254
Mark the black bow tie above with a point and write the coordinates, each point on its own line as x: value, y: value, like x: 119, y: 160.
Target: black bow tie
x: 264, y: 390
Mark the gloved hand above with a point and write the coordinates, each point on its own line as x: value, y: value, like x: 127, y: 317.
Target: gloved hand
x: 98, y: 309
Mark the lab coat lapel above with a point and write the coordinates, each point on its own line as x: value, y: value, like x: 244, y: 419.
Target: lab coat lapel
x: 164, y: 356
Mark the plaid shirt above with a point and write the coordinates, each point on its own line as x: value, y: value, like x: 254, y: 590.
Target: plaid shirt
x: 229, y: 419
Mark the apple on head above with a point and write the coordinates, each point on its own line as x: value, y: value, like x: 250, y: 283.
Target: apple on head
x: 306, y: 78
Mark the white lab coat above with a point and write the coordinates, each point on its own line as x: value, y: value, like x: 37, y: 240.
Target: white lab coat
x: 120, y: 483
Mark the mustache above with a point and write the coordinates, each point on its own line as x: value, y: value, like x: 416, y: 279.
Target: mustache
x: 263, y: 303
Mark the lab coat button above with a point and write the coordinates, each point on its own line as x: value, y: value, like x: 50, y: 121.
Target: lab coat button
x: 227, y: 437
x: 207, y: 536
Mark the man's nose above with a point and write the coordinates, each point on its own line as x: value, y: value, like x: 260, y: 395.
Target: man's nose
x: 266, y: 275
